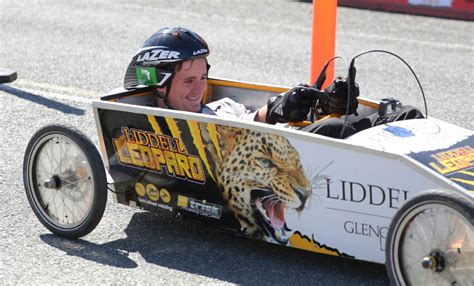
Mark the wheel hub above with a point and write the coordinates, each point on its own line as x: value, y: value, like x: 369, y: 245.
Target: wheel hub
x: 434, y: 261
x: 52, y: 183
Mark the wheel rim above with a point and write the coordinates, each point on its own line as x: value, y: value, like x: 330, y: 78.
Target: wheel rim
x: 436, y: 246
x: 61, y: 181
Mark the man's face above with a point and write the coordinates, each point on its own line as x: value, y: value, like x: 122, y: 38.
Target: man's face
x: 188, y: 86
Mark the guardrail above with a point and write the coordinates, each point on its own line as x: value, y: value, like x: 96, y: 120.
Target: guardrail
x: 454, y: 9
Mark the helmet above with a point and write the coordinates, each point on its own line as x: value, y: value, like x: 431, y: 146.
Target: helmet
x: 155, y: 62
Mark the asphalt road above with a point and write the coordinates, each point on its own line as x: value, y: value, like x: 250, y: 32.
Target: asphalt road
x: 67, y: 53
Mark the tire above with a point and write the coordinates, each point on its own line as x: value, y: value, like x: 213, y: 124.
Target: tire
x: 431, y: 240
x: 65, y: 180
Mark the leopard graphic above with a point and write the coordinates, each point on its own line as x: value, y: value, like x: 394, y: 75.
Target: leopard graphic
x: 261, y: 178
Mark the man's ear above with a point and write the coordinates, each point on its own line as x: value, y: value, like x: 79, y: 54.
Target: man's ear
x: 161, y: 92
x: 160, y: 95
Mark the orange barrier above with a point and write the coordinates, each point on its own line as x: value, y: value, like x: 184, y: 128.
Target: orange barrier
x: 455, y: 9
x: 323, y: 38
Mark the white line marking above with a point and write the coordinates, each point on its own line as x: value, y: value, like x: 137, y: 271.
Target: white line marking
x: 47, y: 90
x: 55, y: 95
x: 54, y: 88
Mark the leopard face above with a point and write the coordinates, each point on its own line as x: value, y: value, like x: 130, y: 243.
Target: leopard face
x: 261, y: 177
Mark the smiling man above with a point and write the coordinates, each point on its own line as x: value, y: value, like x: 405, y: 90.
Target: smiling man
x: 174, y: 60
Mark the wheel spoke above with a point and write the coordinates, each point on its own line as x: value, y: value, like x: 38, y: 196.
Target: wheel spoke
x: 68, y: 151
x: 59, y: 162
x: 63, y: 217
x: 434, y: 215
x: 422, y: 237
x: 51, y: 155
x: 42, y: 168
x: 80, y: 181
x: 53, y: 203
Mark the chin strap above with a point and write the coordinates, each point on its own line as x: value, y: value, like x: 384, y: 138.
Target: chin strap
x: 163, y: 96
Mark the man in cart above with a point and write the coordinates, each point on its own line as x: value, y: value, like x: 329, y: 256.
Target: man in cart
x: 174, y: 60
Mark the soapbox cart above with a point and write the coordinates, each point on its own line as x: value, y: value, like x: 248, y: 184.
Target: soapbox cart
x: 399, y: 193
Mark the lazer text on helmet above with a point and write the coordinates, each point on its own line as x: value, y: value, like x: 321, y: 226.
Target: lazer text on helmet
x: 158, y: 54
x: 201, y: 51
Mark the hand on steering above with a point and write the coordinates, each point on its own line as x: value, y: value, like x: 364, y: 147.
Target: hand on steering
x: 294, y: 105
x: 337, y: 92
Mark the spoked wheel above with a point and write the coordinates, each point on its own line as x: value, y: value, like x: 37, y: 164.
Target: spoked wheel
x: 65, y: 180
x: 431, y: 240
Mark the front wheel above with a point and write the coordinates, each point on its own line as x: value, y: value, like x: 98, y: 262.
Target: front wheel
x: 431, y: 240
x: 65, y: 180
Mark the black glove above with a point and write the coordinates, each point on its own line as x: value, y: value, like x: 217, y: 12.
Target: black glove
x: 294, y: 105
x: 337, y: 93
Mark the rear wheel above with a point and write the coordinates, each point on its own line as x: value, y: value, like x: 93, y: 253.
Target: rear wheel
x: 431, y: 240
x: 65, y: 180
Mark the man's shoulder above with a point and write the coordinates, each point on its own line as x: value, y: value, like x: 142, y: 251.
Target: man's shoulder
x: 227, y: 107
x: 224, y: 102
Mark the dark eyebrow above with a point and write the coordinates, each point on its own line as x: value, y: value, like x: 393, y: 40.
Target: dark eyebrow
x: 193, y: 77
x: 188, y: 78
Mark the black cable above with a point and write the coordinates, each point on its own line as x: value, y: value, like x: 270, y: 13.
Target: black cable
x: 351, y: 73
x: 115, y: 192
x: 141, y: 175
x: 322, y: 75
x: 318, y: 84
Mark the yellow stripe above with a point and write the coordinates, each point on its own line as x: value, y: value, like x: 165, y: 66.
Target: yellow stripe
x: 197, y: 140
x: 154, y: 124
x: 297, y: 241
x: 300, y: 124
x: 368, y: 103
x: 175, y: 133
x: 211, y: 128
x: 467, y: 173
x: 306, y: 123
x: 467, y: 182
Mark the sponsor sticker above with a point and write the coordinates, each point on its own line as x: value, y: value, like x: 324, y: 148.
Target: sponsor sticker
x: 453, y: 160
x: 399, y: 131
x: 140, y: 189
x: 146, y: 75
x: 156, y: 204
x: 151, y: 195
x: 200, y: 207
x: 152, y: 192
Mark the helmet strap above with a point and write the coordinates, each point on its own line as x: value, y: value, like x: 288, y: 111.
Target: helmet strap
x: 167, y: 92
x: 164, y: 96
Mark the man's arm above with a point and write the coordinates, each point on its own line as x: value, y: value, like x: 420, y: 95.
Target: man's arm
x: 261, y: 114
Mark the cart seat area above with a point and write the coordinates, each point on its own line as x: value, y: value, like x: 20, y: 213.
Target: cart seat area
x: 251, y: 95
